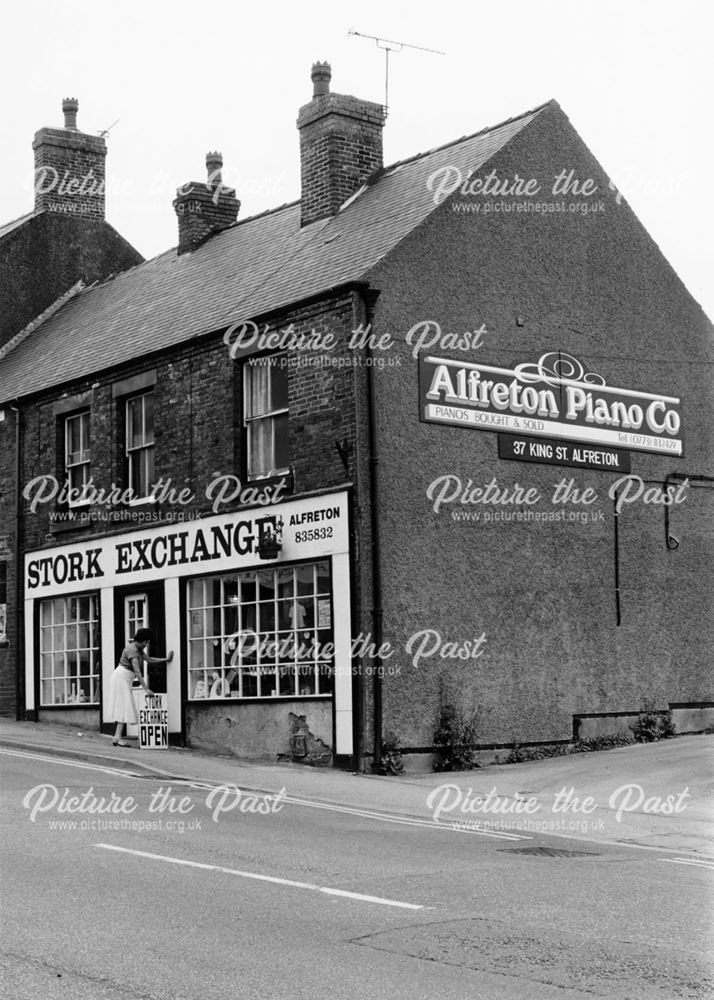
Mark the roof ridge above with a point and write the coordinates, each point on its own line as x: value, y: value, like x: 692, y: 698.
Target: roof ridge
x: 39, y: 320
x: 466, y: 138
x: 267, y: 211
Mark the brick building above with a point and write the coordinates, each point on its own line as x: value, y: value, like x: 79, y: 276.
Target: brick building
x: 46, y: 257
x: 286, y: 427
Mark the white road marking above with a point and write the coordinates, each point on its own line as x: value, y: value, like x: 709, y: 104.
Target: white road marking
x: 69, y: 763
x: 264, y: 878
x: 690, y: 861
x: 429, y: 824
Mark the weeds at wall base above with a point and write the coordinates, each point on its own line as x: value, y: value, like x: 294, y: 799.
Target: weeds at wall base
x: 649, y: 727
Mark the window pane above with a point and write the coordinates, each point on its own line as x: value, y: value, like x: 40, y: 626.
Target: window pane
x: 267, y: 683
x: 148, y: 471
x: 257, y: 394
x: 148, y: 418
x: 279, y: 387
x: 282, y: 442
x: 306, y: 679
x: 325, y: 676
x: 84, y: 421
x: 195, y: 594
x: 259, y: 448
x: 266, y: 579
x: 287, y: 681
x: 304, y: 575
x: 285, y: 583
x: 133, y: 429
x: 323, y: 577
x: 74, y: 442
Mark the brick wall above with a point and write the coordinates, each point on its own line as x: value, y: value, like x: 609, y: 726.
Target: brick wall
x: 340, y: 146
x: 198, y: 424
x: 42, y: 259
x: 202, y: 211
x: 69, y: 172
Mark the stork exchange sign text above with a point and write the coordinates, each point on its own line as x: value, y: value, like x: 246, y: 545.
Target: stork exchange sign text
x: 553, y: 398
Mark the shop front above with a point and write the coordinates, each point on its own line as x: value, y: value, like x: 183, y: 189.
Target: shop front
x: 255, y: 605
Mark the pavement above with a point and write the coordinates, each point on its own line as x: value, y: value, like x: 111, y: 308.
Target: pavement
x: 657, y: 796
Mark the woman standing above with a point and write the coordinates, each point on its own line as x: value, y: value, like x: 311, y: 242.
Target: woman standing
x: 121, y: 702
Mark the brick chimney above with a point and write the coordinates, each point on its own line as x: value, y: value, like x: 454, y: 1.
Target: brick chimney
x: 69, y: 168
x: 340, y: 146
x: 205, y: 208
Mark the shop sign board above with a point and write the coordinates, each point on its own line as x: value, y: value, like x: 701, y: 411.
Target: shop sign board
x: 553, y: 398
x: 153, y: 721
x: 552, y: 451
x: 309, y: 528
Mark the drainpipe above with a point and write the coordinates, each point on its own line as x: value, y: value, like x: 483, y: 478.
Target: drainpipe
x: 670, y: 541
x: 19, y: 631
x: 377, y: 610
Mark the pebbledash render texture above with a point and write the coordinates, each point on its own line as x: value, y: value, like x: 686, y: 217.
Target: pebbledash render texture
x: 438, y: 435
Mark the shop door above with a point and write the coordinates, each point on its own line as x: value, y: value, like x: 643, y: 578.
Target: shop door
x: 142, y: 607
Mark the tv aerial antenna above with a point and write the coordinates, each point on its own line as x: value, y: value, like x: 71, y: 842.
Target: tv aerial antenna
x: 389, y: 45
x: 106, y: 131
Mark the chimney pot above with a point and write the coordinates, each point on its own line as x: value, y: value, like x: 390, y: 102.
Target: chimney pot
x: 69, y: 168
x: 205, y: 207
x: 214, y: 164
x: 340, y: 147
x: 70, y: 107
x: 321, y: 75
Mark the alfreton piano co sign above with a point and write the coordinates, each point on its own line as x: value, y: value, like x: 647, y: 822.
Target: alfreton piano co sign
x: 553, y: 398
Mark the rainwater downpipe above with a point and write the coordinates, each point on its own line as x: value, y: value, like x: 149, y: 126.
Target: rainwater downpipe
x: 377, y: 609
x: 19, y: 632
x: 670, y: 541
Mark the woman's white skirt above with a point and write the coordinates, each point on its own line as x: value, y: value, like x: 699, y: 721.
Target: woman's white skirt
x: 121, y: 701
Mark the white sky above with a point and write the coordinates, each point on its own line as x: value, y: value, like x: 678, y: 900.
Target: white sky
x: 634, y: 77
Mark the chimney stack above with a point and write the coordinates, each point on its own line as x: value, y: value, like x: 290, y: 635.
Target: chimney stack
x: 205, y: 208
x: 69, y: 168
x: 340, y: 146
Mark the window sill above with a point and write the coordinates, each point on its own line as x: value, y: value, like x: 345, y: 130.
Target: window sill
x: 69, y: 704
x: 247, y: 700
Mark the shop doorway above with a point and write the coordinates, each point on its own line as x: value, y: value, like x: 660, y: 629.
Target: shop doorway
x: 142, y: 607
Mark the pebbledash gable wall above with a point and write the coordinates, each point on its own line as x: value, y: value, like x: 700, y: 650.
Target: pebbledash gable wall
x: 198, y: 417
x: 597, y: 287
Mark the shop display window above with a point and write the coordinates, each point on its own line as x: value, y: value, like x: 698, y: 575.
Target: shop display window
x: 265, y: 633
x: 69, y: 650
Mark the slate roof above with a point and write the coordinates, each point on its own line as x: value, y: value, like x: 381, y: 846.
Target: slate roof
x: 258, y: 265
x: 15, y: 224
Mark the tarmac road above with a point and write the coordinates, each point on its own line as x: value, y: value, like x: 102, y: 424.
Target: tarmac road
x: 154, y: 897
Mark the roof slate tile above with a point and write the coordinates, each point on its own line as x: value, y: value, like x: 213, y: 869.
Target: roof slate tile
x: 257, y: 266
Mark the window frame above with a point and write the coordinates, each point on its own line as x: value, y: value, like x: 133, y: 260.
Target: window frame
x: 255, y: 362
x: 85, y: 464
x: 200, y: 638
x: 127, y: 402
x: 72, y: 674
